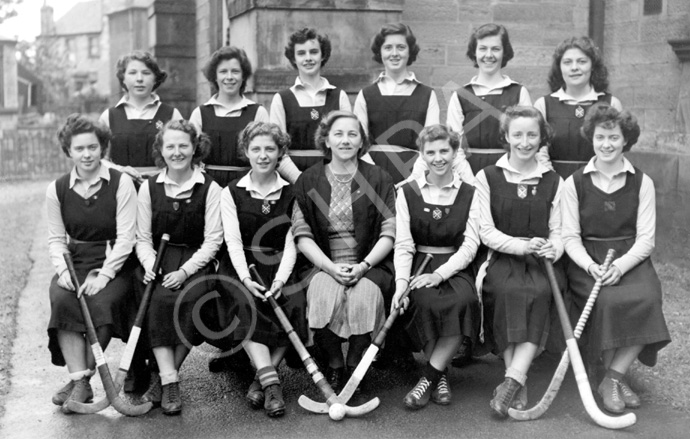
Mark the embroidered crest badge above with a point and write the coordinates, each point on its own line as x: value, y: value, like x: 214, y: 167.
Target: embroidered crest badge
x: 266, y: 207
x: 176, y: 206
x: 159, y: 124
x: 522, y: 191
x: 609, y: 206
x: 579, y: 112
x: 314, y: 114
x: 437, y: 214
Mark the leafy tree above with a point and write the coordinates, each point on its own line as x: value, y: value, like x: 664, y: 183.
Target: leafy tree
x: 7, y: 9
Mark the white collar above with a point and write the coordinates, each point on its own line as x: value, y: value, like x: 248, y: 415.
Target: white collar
x: 197, y: 177
x: 455, y: 182
x: 213, y: 101
x: 124, y: 100
x: 505, y: 82
x: 103, y: 173
x: 323, y: 85
x: 538, y: 172
x: 589, y: 97
x: 409, y: 78
x: 590, y: 167
x: 247, y: 183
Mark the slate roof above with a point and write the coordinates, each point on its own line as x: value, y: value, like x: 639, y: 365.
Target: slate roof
x: 83, y: 18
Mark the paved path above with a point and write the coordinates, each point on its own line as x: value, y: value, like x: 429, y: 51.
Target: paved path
x: 214, y: 405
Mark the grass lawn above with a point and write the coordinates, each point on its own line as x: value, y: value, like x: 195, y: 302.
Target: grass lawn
x: 668, y: 383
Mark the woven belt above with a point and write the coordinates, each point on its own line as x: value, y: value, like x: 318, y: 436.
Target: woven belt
x: 305, y: 153
x: 80, y: 242
x: 487, y: 151
x: 614, y: 238
x: 390, y: 148
x: 226, y: 168
x: 436, y: 250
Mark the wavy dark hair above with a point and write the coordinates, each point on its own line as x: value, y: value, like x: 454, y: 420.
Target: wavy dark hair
x: 324, y: 130
x: 515, y: 111
x: 301, y: 37
x: 200, y: 141
x: 606, y: 116
x: 148, y: 60
x: 255, y: 129
x: 223, y: 54
x: 395, y: 29
x: 600, y: 74
x: 76, y: 124
x: 490, y: 30
x: 438, y: 132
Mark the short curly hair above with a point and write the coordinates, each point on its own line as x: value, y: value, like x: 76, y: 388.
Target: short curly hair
x: 395, y: 29
x: 148, y: 60
x: 490, y: 30
x: 76, y: 124
x: 324, y: 130
x: 600, y: 74
x: 515, y: 111
x: 200, y: 142
x: 301, y: 37
x: 257, y: 128
x: 224, y: 54
x: 438, y: 132
x: 606, y: 116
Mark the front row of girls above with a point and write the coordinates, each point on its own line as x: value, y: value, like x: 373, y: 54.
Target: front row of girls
x: 343, y: 216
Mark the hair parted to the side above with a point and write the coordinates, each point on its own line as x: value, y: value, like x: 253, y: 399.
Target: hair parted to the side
x: 490, y: 30
x: 516, y: 111
x: 76, y: 124
x: 438, y: 132
x: 395, y: 29
x: 605, y: 116
x: 600, y: 74
x: 223, y: 54
x: 302, y: 36
x: 148, y: 60
x: 324, y: 130
x: 257, y: 128
x: 200, y: 141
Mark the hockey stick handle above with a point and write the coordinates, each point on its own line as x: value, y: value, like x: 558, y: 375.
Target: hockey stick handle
x: 119, y: 405
x: 583, y: 386
x: 593, y: 295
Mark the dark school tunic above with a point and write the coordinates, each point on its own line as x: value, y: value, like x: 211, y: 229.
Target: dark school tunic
x: 516, y: 291
x: 263, y: 226
x: 629, y: 313
x: 569, y: 150
x: 225, y: 151
x: 397, y: 121
x: 302, y: 122
x: 171, y: 318
x: 451, y: 308
x: 481, y: 124
x: 132, y: 141
x: 91, y: 224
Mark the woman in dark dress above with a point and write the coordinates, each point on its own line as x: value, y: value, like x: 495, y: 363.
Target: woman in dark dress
x: 520, y: 224
x: 256, y: 218
x: 609, y: 204
x: 344, y: 223
x: 183, y: 202
x: 437, y: 214
x: 91, y: 214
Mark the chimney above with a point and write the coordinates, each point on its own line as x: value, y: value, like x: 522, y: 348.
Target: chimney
x: 47, y: 22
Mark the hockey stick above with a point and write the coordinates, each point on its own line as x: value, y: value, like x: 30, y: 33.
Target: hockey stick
x: 543, y: 405
x: 126, y: 360
x: 337, y: 409
x: 121, y: 406
x: 583, y: 386
x: 375, y: 345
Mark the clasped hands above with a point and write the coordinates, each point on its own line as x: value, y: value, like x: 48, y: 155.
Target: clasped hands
x: 93, y: 284
x: 541, y: 247
x: 426, y: 280
x: 346, y: 274
x: 608, y: 277
x: 258, y: 291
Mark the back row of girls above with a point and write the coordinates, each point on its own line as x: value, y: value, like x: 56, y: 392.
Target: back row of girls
x: 515, y: 213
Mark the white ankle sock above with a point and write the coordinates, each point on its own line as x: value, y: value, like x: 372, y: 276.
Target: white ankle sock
x: 169, y: 377
x: 76, y: 376
x: 516, y: 375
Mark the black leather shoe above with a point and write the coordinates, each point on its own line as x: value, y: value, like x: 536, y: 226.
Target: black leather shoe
x: 61, y: 395
x: 464, y: 355
x: 154, y: 393
x: 81, y: 392
x: 336, y: 378
x: 171, y: 401
x: 504, y: 395
x: 274, y: 403
x: 255, y: 395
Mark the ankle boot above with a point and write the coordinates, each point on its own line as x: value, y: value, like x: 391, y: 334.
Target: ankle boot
x: 505, y: 393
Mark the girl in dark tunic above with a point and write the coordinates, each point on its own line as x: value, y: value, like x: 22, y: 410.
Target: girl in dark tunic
x: 91, y: 214
x: 578, y: 78
x: 437, y: 214
x: 183, y: 202
x: 137, y: 117
x: 344, y: 223
x: 299, y: 109
x: 520, y: 223
x: 397, y: 106
x: 609, y: 204
x: 256, y: 218
x: 227, y: 113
